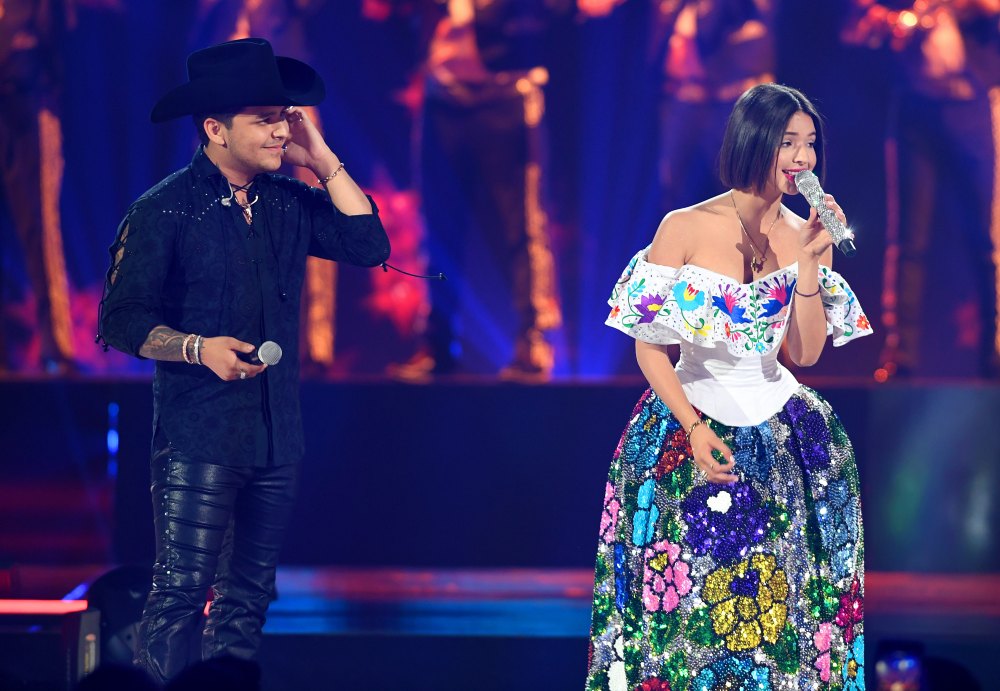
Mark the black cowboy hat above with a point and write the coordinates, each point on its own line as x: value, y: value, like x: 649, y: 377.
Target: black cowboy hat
x: 235, y: 74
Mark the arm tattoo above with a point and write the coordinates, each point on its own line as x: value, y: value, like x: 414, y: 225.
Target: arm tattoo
x: 163, y: 343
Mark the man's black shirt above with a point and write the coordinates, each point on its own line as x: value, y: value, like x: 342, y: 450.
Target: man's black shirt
x: 184, y: 260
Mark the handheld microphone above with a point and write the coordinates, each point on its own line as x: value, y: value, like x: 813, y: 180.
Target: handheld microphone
x: 267, y: 353
x: 808, y: 185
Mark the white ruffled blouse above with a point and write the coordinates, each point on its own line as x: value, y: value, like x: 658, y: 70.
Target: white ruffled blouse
x: 729, y: 332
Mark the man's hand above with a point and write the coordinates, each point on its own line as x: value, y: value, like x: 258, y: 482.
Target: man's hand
x: 306, y: 146
x: 219, y: 355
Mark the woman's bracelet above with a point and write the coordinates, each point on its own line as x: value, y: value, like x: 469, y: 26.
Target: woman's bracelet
x: 806, y: 295
x: 184, y: 349
x: 331, y: 176
x: 197, y: 350
x: 693, y: 425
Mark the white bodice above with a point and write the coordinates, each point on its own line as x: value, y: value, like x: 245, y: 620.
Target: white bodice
x: 729, y: 332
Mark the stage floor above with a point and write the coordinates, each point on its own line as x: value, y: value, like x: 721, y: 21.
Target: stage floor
x: 444, y: 534
x: 507, y: 602
x: 395, y: 628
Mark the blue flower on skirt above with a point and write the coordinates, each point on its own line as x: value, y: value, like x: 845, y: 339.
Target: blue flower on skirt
x: 644, y: 520
x: 623, y: 577
x: 646, y: 434
x: 753, y: 449
x: 837, y: 515
x: 724, y: 520
x: 734, y: 673
x: 853, y: 671
x: 812, y: 434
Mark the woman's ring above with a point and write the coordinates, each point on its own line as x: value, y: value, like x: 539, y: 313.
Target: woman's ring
x: 243, y: 374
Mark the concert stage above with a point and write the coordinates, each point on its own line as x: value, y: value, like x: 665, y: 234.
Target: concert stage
x: 444, y: 533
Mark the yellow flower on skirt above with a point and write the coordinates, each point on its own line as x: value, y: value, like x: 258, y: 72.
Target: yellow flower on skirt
x: 748, y: 601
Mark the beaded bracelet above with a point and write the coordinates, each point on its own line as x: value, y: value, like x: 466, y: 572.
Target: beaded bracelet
x: 806, y: 295
x: 331, y: 176
x: 184, y: 348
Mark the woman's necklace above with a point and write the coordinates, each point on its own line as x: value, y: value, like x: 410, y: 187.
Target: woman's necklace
x: 757, y: 262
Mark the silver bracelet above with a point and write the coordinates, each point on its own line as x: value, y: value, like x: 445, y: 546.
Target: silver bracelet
x: 197, y: 350
x: 331, y: 176
x: 184, y: 348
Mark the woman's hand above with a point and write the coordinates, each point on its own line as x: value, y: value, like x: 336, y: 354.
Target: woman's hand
x: 219, y: 355
x: 814, y: 239
x: 703, y: 443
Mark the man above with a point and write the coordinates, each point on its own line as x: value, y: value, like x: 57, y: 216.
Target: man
x: 480, y: 160
x: 283, y: 24
x: 31, y: 164
x: 208, y: 264
x: 941, y: 154
x: 482, y: 168
x: 708, y: 52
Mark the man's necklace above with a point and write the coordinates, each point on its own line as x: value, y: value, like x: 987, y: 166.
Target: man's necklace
x: 247, y: 211
x: 757, y: 262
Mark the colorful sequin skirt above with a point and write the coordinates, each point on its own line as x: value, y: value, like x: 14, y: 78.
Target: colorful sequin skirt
x: 756, y: 585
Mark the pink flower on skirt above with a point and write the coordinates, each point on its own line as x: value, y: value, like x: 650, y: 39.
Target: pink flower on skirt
x: 609, y: 517
x: 666, y: 577
x: 821, y: 639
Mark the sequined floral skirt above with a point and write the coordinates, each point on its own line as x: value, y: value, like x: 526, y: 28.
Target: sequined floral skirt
x: 755, y: 585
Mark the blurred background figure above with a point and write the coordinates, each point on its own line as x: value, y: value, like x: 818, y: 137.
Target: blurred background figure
x: 707, y: 52
x: 940, y: 167
x: 31, y: 166
x: 481, y: 162
x: 282, y: 22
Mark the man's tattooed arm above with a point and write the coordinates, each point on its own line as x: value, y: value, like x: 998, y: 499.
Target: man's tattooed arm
x: 163, y: 343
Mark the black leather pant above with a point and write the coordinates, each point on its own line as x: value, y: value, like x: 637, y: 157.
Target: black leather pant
x: 216, y: 527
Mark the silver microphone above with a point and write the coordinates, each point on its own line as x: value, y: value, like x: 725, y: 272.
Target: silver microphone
x: 267, y: 353
x: 809, y: 186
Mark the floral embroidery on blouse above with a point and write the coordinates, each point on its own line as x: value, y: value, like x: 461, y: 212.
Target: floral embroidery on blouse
x: 661, y: 304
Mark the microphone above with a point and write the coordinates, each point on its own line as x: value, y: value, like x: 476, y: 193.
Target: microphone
x: 268, y: 353
x: 808, y: 185
x: 386, y: 266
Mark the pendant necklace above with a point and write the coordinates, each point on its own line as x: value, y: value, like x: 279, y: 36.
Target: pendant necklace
x: 247, y: 211
x: 757, y: 261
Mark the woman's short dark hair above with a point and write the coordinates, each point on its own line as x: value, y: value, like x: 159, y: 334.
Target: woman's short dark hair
x: 754, y: 132
x: 199, y: 123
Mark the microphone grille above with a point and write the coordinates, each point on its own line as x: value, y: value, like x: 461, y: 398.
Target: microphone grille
x: 808, y: 184
x: 269, y: 353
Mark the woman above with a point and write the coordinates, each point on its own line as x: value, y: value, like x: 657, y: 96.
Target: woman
x: 731, y: 544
